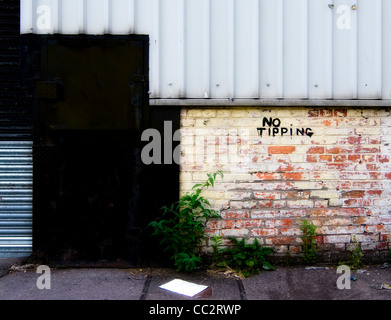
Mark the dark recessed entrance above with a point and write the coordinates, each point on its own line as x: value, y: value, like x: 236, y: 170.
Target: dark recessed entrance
x: 92, y: 197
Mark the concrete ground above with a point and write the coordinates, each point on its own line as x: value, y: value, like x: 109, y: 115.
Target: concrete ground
x: 18, y: 281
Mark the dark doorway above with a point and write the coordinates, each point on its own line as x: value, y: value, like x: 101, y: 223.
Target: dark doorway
x: 89, y: 182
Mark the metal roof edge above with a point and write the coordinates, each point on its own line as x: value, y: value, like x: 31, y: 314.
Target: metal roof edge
x: 269, y: 103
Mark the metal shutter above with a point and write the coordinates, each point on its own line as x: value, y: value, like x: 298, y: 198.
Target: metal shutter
x: 15, y: 198
x: 15, y: 139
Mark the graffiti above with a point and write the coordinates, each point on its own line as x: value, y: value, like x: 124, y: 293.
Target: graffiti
x: 271, y: 127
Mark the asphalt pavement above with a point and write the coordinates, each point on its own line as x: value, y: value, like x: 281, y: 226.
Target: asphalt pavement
x: 23, y: 281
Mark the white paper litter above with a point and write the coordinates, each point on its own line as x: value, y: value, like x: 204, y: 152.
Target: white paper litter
x: 183, y: 287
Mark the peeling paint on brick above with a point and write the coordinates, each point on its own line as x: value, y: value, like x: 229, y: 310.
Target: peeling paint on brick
x: 339, y: 178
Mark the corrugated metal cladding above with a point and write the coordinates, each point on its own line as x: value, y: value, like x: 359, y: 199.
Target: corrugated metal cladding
x: 15, y: 139
x: 249, y: 49
x: 15, y: 198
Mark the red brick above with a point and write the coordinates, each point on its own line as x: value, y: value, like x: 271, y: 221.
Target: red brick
x: 383, y: 159
x: 295, y: 195
x: 353, y: 194
x: 353, y: 212
x: 375, y: 192
x: 368, y: 157
x: 354, y: 157
x: 249, y: 223
x: 324, y: 212
x: 294, y: 249
x: 312, y: 158
x: 372, y: 167
x: 286, y: 167
x: 338, y: 165
x: 267, y: 176
x: 265, y: 203
x: 279, y: 240
x: 374, y: 140
x: 266, y: 195
x: 366, y: 150
x: 315, y: 150
x: 334, y: 150
x: 326, y: 113
x: 381, y: 246
x: 263, y: 232
x: 330, y: 122
x: 229, y: 214
x: 340, y: 113
x: 339, y: 158
x: 264, y: 214
x: 290, y: 231
x: 281, y: 149
x: 243, y: 204
x: 356, y: 202
x: 296, y: 176
x: 221, y: 224
x: 283, y: 222
x: 325, y: 158
x: 353, y: 140
x: 313, y: 113
x: 375, y: 175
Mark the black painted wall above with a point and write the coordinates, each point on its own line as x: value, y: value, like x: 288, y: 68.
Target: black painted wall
x: 15, y: 88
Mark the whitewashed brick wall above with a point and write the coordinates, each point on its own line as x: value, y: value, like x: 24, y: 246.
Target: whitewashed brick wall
x: 338, y: 177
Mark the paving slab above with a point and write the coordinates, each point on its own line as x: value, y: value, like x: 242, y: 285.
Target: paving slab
x: 317, y: 283
x: 74, y: 284
x: 19, y: 282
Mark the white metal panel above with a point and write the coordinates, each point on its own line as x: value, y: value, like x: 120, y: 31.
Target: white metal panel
x: 386, y: 50
x: 172, y: 39
x: 96, y: 16
x: 221, y: 46
x: 246, y: 51
x: 196, y: 77
x: 320, y: 39
x: 369, y: 48
x: 26, y: 16
x: 242, y: 49
x: 148, y: 21
x: 72, y: 17
x: 295, y: 48
x: 344, y: 50
x: 271, y: 48
x: 122, y: 16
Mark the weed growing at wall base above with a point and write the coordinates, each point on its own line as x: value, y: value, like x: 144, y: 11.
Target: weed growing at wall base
x: 309, y: 241
x: 181, y: 226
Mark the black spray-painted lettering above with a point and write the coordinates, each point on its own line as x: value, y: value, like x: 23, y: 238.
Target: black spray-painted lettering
x: 274, y: 129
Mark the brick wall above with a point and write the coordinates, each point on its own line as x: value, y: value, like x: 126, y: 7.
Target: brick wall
x: 281, y: 165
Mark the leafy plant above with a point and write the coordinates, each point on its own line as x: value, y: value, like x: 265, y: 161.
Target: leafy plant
x: 217, y: 253
x: 181, y: 226
x: 356, y: 256
x: 309, y: 241
x: 247, y: 259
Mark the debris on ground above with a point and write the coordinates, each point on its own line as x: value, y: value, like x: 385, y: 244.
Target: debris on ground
x: 317, y: 268
x: 21, y: 268
x: 183, y: 287
x: 380, y: 286
x: 385, y: 265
